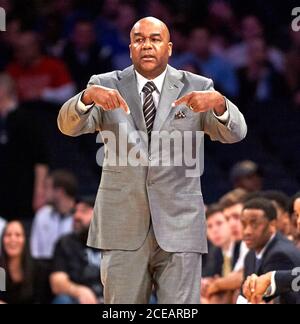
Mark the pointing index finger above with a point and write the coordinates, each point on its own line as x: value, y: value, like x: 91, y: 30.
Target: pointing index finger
x: 183, y: 100
x: 123, y: 105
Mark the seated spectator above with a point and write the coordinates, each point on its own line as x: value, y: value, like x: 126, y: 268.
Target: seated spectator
x: 258, y: 79
x: 21, y: 278
x: 252, y: 28
x: 247, y: 175
x: 232, y: 204
x: 83, y: 56
x: 222, y: 22
x: 211, y: 65
x: 180, y: 56
x: 223, y: 258
x: 56, y: 23
x: 281, y: 202
x: 56, y: 218
x: 23, y: 155
x: 76, y: 268
x: 293, y: 68
x: 297, y: 211
x: 219, y: 234
x: 39, y: 77
x: 113, y: 28
x: 295, y: 219
x: 8, y: 40
x: 275, y: 283
x: 269, y: 250
x: 126, y: 18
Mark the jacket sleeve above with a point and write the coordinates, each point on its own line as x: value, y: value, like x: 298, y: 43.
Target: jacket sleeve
x: 72, y: 122
x: 233, y: 131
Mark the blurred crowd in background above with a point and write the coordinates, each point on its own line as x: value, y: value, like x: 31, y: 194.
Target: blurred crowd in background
x: 49, y: 52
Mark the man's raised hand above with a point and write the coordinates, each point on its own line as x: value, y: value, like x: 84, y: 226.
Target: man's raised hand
x: 108, y: 99
x: 202, y: 101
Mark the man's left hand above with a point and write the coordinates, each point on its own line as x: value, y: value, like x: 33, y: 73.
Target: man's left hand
x: 202, y: 101
x: 255, y: 287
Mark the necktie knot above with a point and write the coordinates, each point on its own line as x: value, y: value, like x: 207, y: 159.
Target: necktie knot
x: 149, y: 87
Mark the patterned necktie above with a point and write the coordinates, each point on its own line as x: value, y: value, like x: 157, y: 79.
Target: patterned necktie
x: 227, y: 266
x: 149, y: 108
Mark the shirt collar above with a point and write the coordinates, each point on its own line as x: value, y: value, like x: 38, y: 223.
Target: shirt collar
x: 159, y: 81
x: 229, y: 252
x: 260, y: 255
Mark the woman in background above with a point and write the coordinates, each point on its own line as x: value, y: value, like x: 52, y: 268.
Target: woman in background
x: 19, y: 266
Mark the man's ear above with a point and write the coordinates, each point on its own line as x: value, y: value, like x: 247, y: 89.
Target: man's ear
x: 130, y: 51
x: 170, y: 49
x: 274, y: 226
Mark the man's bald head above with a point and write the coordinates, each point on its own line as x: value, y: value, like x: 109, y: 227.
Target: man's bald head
x: 154, y: 22
x: 150, y: 47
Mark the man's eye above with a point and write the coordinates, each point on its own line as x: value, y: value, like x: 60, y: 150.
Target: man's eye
x: 138, y: 40
x: 156, y: 40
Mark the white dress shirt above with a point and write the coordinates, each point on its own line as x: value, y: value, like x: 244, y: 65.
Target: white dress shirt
x: 272, y: 289
x: 260, y: 255
x: 48, y: 227
x: 159, y: 82
x: 241, y: 260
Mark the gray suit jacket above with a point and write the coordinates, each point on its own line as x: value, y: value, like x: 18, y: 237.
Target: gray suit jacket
x: 130, y: 197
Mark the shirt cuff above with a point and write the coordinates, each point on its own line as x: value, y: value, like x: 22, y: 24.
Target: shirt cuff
x: 82, y: 108
x: 272, y: 289
x: 225, y: 117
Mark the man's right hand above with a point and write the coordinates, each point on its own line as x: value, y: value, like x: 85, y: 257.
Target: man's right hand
x: 108, y: 99
x: 255, y: 287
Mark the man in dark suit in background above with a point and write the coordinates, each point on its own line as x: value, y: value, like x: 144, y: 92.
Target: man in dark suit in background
x: 276, y: 282
x: 270, y: 251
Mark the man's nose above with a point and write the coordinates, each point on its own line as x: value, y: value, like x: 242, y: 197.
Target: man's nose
x: 247, y: 230
x: 147, y: 44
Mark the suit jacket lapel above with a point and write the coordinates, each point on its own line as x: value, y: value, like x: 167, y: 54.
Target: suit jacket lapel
x: 128, y: 90
x: 171, y: 90
x: 269, y: 249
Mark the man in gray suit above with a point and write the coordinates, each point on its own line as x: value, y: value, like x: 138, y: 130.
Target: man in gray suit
x: 149, y: 219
